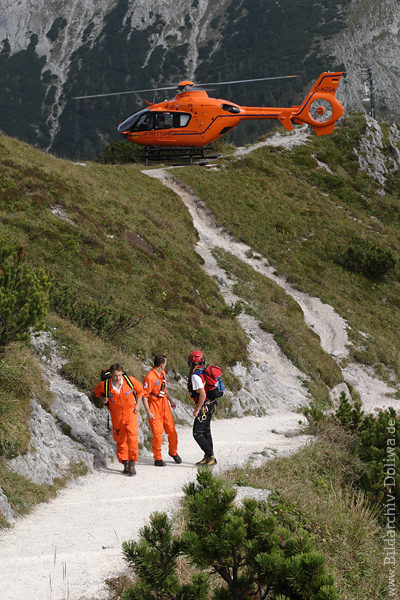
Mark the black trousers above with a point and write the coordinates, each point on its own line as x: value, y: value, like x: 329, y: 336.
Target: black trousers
x: 202, y: 429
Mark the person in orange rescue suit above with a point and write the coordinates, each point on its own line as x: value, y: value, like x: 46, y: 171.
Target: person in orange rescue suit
x: 124, y: 409
x: 157, y: 404
x: 203, y: 410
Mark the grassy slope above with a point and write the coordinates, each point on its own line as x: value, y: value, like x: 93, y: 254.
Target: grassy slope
x: 300, y: 217
x: 180, y: 306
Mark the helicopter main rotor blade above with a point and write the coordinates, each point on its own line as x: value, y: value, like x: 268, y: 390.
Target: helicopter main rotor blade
x: 171, y: 87
x: 246, y: 80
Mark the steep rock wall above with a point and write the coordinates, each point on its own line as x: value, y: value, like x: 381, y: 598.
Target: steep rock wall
x: 371, y: 39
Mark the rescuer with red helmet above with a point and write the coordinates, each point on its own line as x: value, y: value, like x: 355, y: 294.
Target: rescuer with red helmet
x: 203, y: 410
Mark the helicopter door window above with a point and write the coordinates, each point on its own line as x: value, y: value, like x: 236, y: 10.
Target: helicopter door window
x: 183, y: 120
x: 169, y: 120
x: 164, y: 120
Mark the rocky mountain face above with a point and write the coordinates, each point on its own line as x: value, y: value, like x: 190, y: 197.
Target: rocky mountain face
x: 371, y: 39
x: 51, y: 51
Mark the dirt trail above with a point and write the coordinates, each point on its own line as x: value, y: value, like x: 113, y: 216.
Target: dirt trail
x: 319, y: 316
x: 65, y: 549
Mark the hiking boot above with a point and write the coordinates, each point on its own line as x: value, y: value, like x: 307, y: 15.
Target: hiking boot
x: 176, y: 458
x: 159, y: 463
x: 131, y: 468
x: 211, y: 461
x: 203, y: 461
x: 125, y: 463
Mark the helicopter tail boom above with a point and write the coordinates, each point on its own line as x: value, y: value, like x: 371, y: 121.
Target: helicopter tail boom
x: 320, y: 109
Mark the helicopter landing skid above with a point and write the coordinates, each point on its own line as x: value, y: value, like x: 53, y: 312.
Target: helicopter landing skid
x: 167, y: 154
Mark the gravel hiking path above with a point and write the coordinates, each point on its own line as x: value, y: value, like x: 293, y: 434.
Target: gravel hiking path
x: 319, y: 316
x: 66, y: 549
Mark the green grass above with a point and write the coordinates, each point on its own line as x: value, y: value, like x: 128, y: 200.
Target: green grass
x: 20, y: 381
x: 302, y: 218
x: 154, y: 275
x: 23, y: 495
x: 314, y: 490
x: 160, y: 280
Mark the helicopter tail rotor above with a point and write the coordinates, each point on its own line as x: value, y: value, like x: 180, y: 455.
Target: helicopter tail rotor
x: 321, y: 109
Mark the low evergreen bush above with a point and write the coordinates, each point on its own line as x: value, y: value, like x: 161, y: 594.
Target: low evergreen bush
x: 244, y: 548
x: 368, y: 258
x: 24, y: 296
x: 377, y: 444
x: 120, y: 152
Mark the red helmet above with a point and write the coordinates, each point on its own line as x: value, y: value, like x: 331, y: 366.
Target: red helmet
x: 196, y: 358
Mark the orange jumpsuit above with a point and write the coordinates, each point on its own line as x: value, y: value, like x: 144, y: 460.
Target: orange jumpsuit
x: 159, y: 406
x: 124, y: 420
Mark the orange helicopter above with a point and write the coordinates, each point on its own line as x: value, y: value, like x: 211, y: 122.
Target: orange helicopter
x: 193, y: 119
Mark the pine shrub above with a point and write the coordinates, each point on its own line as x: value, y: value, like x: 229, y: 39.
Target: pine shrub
x: 120, y: 152
x: 244, y: 548
x: 378, y: 447
x: 369, y: 258
x: 153, y: 558
x: 24, y: 296
x: 350, y: 416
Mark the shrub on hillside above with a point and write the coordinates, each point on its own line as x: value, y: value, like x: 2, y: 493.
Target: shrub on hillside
x: 24, y: 296
x: 104, y: 320
x: 368, y: 258
x: 377, y: 444
x: 120, y: 152
x: 378, y: 447
x: 246, y: 549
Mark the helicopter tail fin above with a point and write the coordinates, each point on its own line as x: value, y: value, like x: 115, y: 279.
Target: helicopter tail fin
x: 321, y: 109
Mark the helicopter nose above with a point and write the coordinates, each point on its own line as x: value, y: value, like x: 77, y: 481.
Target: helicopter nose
x: 122, y: 129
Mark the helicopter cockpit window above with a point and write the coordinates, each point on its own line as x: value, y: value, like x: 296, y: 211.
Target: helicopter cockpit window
x: 144, y: 123
x: 137, y: 122
x: 230, y: 108
x: 169, y: 120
